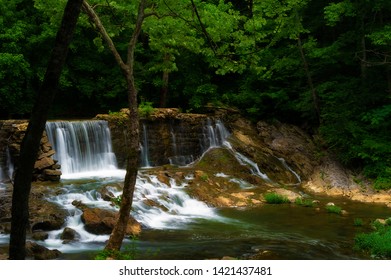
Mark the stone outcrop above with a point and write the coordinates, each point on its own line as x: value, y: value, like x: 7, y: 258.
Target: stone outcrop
x: 11, y: 136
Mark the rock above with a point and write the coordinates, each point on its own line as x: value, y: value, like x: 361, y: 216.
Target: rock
x: 45, y: 215
x: 164, y: 178
x: 38, y: 252
x: 40, y: 235
x: 51, y: 175
x: 102, y: 221
x: 106, y: 194
x: 69, y: 234
x: 43, y: 163
x: 79, y: 204
x: 290, y: 195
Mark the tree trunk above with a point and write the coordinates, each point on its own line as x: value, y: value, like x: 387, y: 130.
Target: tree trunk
x: 32, y: 138
x: 388, y: 73
x: 164, y: 89
x: 314, y: 94
x: 133, y: 150
x: 132, y: 158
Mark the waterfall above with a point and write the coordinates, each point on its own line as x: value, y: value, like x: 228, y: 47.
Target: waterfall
x: 282, y: 160
x: 181, y: 155
x: 145, y: 148
x: 215, y: 134
x: 82, y: 146
x: 7, y: 170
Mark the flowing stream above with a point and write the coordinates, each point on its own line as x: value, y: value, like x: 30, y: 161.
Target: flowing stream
x: 177, y: 226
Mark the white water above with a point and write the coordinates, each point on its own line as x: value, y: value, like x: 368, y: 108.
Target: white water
x: 180, y: 157
x: 145, y: 148
x: 82, y: 146
x: 7, y: 171
x: 172, y: 208
x: 282, y: 160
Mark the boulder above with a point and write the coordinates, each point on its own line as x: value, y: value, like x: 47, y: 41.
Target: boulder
x: 40, y: 235
x: 106, y: 194
x: 38, y: 252
x: 69, y: 234
x: 102, y: 221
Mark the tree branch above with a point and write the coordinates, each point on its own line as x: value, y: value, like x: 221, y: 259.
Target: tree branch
x: 101, y: 29
x: 136, y: 33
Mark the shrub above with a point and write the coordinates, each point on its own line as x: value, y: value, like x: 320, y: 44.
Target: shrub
x: 334, y: 209
x: 116, y: 201
x: 275, y: 198
x: 377, y: 243
x: 358, y: 222
x: 145, y: 109
x: 304, y: 202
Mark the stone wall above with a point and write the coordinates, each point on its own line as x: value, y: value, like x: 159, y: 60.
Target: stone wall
x: 11, y: 135
x: 170, y: 134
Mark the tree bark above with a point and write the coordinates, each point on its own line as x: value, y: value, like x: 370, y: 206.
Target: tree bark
x: 164, y: 89
x: 133, y: 145
x: 32, y: 138
x: 314, y: 94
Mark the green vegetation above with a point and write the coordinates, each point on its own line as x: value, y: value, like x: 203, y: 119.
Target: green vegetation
x: 304, y: 202
x: 376, y: 243
x: 358, y: 222
x: 275, y: 198
x: 315, y: 63
x: 117, y: 201
x: 131, y: 252
x: 333, y: 209
x: 145, y: 109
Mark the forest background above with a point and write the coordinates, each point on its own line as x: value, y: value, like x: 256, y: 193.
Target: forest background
x: 323, y: 65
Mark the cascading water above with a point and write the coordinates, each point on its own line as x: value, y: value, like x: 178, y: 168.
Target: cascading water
x: 82, y: 146
x: 181, y: 156
x: 7, y: 170
x: 156, y: 205
x: 145, y: 148
x: 215, y: 135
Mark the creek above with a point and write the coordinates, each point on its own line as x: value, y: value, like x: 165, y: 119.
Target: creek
x: 178, y: 226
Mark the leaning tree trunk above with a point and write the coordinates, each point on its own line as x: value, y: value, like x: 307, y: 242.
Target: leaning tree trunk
x: 132, y: 158
x: 32, y: 138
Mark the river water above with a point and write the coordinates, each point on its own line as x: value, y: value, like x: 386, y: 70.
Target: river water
x: 185, y: 228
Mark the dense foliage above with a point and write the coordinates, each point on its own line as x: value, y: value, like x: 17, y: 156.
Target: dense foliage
x: 324, y: 65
